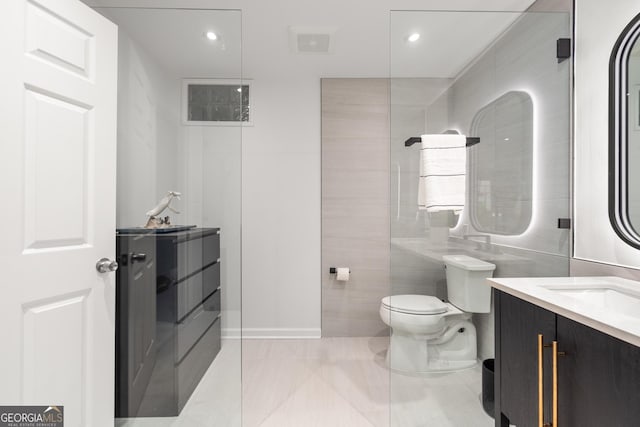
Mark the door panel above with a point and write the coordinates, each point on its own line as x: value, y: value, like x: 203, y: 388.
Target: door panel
x: 521, y: 322
x: 52, y: 38
x: 597, y: 378
x: 55, y: 218
x: 43, y: 323
x: 57, y: 163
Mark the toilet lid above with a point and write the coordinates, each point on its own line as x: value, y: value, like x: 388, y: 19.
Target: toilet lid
x: 414, y: 304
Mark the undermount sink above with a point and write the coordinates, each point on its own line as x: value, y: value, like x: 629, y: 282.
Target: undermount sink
x: 606, y: 296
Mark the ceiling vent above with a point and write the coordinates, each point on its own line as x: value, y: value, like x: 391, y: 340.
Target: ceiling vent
x: 310, y: 40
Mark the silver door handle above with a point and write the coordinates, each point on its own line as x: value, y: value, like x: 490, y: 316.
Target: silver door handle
x: 138, y: 257
x: 105, y: 265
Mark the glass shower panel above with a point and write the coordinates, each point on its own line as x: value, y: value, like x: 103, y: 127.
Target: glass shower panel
x: 492, y: 76
x: 178, y: 352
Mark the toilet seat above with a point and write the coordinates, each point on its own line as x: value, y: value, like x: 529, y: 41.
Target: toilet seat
x: 414, y: 304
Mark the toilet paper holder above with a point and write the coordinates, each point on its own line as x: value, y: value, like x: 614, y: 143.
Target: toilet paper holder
x: 334, y: 270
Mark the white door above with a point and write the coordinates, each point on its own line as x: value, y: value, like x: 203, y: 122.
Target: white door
x: 58, y: 80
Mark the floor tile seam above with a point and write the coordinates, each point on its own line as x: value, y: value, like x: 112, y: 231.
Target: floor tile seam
x: 337, y: 393
x: 300, y: 386
x: 363, y: 369
x: 289, y: 395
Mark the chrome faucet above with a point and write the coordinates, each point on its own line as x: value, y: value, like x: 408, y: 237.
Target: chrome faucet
x: 485, y: 246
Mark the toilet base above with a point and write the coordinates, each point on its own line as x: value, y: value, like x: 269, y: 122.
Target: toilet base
x: 455, y: 350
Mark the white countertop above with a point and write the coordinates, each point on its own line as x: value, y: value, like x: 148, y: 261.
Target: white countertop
x: 568, y: 297
x: 435, y: 250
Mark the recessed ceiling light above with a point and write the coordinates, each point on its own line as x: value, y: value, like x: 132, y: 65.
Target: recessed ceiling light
x: 239, y: 89
x: 211, y: 35
x: 414, y: 37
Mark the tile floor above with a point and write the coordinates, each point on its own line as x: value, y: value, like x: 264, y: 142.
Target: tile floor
x: 320, y: 383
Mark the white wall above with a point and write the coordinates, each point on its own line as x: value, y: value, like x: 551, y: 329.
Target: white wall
x: 281, y: 152
x: 148, y: 130
x: 595, y: 239
x: 209, y: 160
x: 157, y: 153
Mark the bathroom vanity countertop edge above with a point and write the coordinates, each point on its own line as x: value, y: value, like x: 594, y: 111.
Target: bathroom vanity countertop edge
x: 531, y: 289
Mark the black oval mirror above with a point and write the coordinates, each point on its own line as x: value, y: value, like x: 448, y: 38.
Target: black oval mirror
x: 624, y: 135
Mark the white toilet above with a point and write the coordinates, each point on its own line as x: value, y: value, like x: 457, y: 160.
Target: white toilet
x: 428, y: 335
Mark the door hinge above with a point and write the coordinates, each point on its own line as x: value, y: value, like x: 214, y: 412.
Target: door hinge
x: 564, y: 222
x: 563, y: 49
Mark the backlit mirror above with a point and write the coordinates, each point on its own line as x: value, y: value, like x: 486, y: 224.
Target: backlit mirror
x: 501, y: 165
x: 624, y: 134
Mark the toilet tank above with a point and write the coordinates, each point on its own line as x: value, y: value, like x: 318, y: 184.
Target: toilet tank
x: 466, y: 285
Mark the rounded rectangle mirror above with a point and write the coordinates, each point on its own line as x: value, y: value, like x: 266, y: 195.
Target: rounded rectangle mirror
x: 501, y: 166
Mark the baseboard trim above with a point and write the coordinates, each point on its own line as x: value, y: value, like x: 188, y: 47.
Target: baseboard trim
x: 272, y: 333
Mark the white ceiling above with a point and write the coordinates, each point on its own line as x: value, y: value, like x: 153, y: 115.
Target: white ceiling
x: 176, y: 39
x: 449, y: 40
x: 368, y: 38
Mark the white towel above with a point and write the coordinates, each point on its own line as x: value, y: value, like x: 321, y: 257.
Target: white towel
x: 443, y: 167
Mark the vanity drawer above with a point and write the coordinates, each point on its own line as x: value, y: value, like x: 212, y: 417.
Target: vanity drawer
x: 211, y: 280
x: 195, y: 253
x: 211, y: 248
x: 191, y: 369
x: 213, y: 302
x: 191, y: 291
x: 189, y: 331
x: 189, y: 257
x: 183, y: 254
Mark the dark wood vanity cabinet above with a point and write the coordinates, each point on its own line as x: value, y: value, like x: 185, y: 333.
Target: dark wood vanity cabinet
x: 598, y: 375
x: 167, y: 318
x: 518, y: 324
x: 598, y: 378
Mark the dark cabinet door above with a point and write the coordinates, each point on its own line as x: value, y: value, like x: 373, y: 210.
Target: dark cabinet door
x: 136, y: 329
x: 598, y: 378
x: 518, y: 326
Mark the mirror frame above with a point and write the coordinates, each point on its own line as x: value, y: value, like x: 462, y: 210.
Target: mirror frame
x: 619, y: 134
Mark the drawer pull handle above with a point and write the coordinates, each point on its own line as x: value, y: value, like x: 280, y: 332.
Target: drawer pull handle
x: 138, y: 257
x: 555, y: 384
x: 540, y: 384
x: 554, y: 395
x: 556, y: 353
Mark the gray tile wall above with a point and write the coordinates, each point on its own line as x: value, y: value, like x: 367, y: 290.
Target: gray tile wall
x: 355, y: 204
x: 364, y: 125
x: 589, y: 268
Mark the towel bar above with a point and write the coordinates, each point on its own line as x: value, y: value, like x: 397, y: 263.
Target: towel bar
x: 471, y: 141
